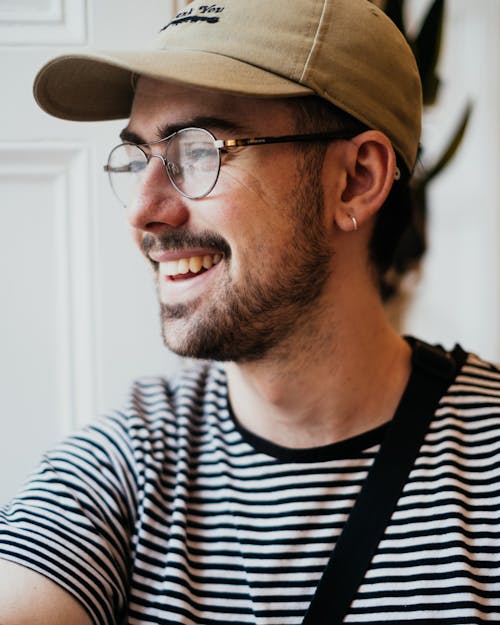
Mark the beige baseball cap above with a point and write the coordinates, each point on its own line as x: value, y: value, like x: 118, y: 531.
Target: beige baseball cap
x: 346, y: 51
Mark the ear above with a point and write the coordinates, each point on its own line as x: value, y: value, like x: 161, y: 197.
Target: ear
x: 369, y: 170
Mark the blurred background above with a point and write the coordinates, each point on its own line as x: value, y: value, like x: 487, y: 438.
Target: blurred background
x: 79, y: 315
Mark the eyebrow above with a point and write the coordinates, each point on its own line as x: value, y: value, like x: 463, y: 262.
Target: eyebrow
x: 210, y: 123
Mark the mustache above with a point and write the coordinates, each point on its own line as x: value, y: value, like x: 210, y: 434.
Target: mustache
x: 177, y: 240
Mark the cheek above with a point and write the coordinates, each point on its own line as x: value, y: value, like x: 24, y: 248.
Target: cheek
x: 260, y: 237
x: 266, y: 174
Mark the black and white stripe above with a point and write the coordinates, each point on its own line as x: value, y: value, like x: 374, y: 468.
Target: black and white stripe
x: 169, y: 512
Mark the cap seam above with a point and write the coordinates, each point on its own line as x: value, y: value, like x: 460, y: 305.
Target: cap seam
x: 313, y: 46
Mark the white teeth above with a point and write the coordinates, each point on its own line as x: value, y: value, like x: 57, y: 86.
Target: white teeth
x: 208, y: 262
x: 193, y: 264
x: 169, y: 268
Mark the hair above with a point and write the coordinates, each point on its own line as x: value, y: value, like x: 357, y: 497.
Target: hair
x: 394, y: 219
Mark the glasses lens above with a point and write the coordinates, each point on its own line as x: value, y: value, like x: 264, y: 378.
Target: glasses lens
x: 126, y: 164
x: 193, y: 162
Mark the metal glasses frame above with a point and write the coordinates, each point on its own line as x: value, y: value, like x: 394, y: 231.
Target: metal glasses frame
x: 228, y: 145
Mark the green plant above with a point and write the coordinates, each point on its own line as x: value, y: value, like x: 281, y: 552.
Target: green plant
x: 426, y: 46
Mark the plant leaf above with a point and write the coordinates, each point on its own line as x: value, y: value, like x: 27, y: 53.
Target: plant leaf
x: 427, y: 46
x: 450, y: 150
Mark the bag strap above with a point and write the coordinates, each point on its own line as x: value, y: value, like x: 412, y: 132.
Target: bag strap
x: 433, y: 370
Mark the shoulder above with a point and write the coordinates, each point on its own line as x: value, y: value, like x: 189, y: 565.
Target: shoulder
x: 75, y: 521
x: 158, y: 402
x: 160, y: 418
x: 161, y: 414
x: 193, y: 385
x: 469, y: 412
x: 478, y: 380
x: 479, y: 372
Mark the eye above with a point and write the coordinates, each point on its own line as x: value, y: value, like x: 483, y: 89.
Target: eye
x: 199, y: 151
x: 136, y: 167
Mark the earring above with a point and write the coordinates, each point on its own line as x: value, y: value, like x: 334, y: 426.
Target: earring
x: 354, y: 222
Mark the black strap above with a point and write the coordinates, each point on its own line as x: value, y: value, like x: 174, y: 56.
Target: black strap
x: 433, y: 371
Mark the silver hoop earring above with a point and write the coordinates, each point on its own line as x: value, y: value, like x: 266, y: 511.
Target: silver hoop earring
x: 354, y: 222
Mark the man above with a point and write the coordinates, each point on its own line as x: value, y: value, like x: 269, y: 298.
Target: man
x: 269, y: 216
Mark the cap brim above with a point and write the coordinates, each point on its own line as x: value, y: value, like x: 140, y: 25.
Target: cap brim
x: 99, y: 86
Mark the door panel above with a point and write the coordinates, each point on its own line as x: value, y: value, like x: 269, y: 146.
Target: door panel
x: 79, y: 315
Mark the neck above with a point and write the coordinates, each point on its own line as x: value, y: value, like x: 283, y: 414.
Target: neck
x: 334, y: 380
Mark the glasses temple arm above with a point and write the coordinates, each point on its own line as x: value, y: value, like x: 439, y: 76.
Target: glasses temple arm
x: 319, y: 136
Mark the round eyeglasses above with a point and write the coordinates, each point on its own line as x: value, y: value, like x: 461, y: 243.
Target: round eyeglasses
x: 191, y: 157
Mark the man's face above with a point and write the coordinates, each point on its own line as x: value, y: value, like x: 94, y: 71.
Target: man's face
x: 260, y: 237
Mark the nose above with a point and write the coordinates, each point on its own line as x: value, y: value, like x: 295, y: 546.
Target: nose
x: 157, y: 205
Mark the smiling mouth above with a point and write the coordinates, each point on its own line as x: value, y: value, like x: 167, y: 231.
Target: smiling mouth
x: 186, y: 268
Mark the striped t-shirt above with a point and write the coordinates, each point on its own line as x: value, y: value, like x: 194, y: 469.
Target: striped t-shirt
x: 169, y: 512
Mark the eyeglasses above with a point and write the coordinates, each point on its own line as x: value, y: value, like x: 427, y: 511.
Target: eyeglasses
x: 191, y: 157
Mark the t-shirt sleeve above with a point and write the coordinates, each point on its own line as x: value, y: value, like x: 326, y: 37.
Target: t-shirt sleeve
x: 73, y: 520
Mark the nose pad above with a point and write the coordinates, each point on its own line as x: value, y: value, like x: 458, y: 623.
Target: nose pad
x: 157, y: 203
x: 156, y: 167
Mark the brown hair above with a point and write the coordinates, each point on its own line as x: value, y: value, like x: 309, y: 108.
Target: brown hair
x: 387, y: 245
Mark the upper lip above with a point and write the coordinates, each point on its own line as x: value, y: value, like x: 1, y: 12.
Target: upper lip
x: 169, y: 255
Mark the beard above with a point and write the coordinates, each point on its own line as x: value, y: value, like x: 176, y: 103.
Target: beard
x: 245, y: 321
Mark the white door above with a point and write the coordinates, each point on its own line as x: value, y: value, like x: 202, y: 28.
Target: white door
x: 78, y: 310
x: 78, y: 313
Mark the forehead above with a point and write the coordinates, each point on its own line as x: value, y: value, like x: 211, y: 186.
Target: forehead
x: 158, y: 103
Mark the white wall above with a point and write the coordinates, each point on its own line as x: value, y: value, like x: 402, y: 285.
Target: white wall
x: 458, y: 297
x: 78, y: 314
